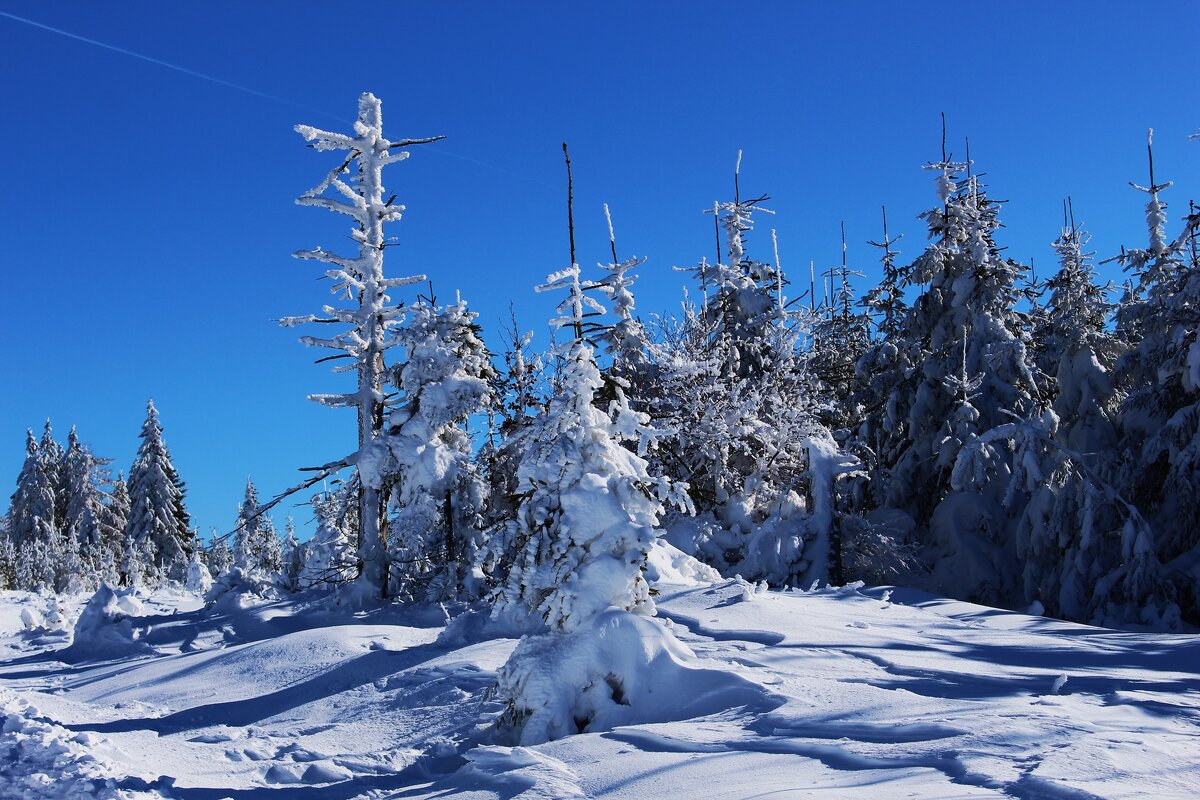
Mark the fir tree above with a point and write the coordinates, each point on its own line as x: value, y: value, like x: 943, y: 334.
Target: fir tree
x: 86, y: 513
x: 1160, y: 418
x: 968, y: 370
x: 52, y: 456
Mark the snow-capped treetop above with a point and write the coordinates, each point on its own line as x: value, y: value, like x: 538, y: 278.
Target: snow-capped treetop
x: 361, y: 277
x: 625, y: 339
x: 577, y: 307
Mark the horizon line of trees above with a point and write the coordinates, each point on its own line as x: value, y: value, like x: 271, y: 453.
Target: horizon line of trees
x: 961, y: 427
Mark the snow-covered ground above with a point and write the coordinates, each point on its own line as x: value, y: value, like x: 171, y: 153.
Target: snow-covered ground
x: 822, y: 694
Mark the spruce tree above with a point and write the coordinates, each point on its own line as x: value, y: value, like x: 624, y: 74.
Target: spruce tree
x: 423, y: 458
x: 589, y: 505
x: 1160, y: 417
x: 968, y: 371
x: 86, y: 513
x: 256, y: 545
x: 53, y: 463
x: 158, y: 523
x: 293, y: 556
x: 331, y: 555
x: 32, y: 507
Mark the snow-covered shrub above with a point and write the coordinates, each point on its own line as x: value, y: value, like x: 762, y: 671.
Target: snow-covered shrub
x: 198, y: 580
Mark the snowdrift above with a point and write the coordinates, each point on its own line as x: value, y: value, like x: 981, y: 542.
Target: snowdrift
x: 616, y: 669
x: 106, y: 629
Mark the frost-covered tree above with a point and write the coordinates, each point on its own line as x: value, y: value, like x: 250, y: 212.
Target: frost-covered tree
x: 8, y: 562
x: 517, y: 395
x: 625, y: 339
x: 743, y: 296
x: 116, y: 526
x: 220, y: 556
x: 1076, y: 348
x: 369, y: 319
x: 589, y: 505
x: 157, y: 515
x: 255, y: 546
x: 423, y: 458
x: 293, y: 555
x: 331, y: 557
x: 198, y: 579
x: 839, y: 338
x: 86, y: 514
x: 52, y: 455
x: 881, y: 369
x: 967, y: 370
x: 31, y: 513
x: 1160, y: 417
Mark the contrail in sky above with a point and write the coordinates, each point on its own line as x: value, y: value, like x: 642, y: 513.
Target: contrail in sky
x: 169, y: 65
x: 239, y: 87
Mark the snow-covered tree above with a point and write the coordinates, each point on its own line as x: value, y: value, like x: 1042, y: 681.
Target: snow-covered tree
x: 293, y: 555
x: 625, y: 340
x: 880, y: 371
x: 1160, y: 417
x: 255, y: 546
x: 116, y: 526
x: 157, y: 514
x: 86, y: 514
x: 198, y: 579
x: 589, y: 505
x: 423, y: 458
x: 332, y: 558
x: 517, y: 396
x: 8, y: 562
x: 31, y: 513
x: 840, y: 336
x: 220, y: 557
x: 370, y: 319
x: 52, y: 455
x: 967, y: 370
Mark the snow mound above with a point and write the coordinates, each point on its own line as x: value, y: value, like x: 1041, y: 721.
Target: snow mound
x: 524, y: 773
x: 239, y: 589
x: 615, y: 669
x: 666, y: 563
x: 105, y: 628
x: 39, y: 759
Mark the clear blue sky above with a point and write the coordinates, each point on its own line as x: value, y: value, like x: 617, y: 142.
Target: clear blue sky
x: 147, y: 215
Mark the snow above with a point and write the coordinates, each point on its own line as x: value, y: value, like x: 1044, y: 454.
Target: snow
x: 732, y: 691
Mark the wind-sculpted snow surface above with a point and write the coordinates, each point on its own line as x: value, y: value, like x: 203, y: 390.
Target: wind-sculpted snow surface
x: 732, y: 691
x: 39, y: 759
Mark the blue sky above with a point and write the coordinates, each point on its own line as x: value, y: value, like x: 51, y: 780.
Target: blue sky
x: 148, y: 216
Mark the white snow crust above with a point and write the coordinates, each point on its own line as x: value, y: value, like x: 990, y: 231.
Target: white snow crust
x: 731, y: 691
